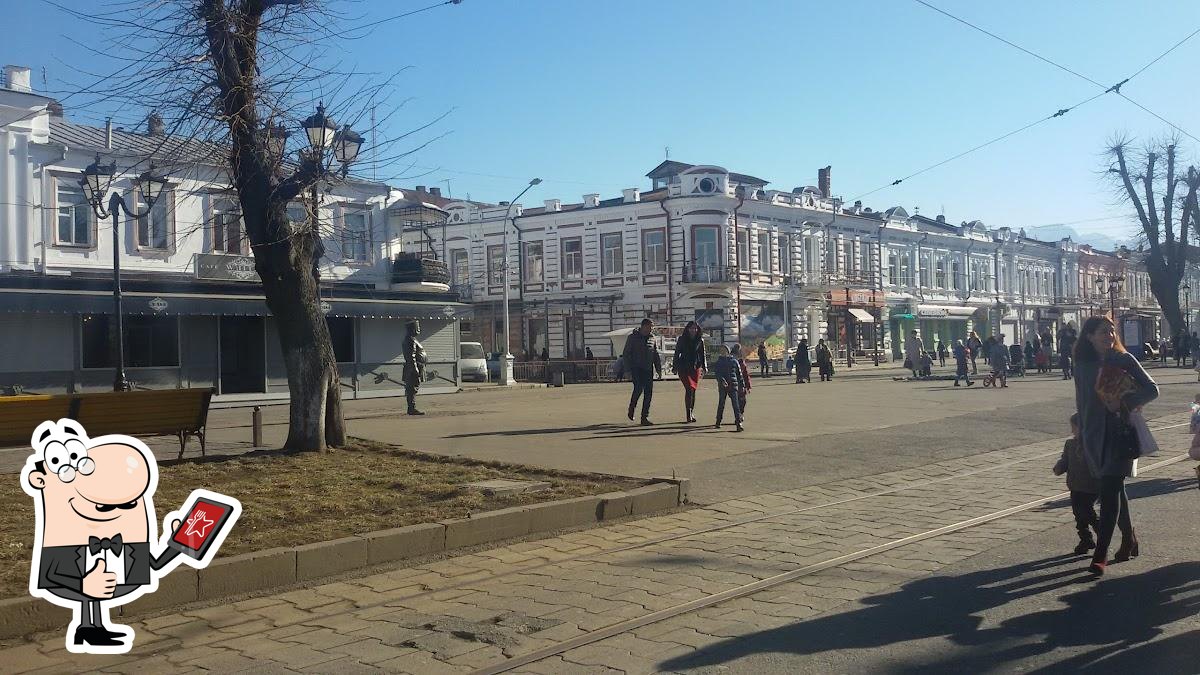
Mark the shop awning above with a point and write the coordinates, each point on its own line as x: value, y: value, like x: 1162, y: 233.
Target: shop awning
x: 947, y: 312
x: 43, y: 301
x: 862, y: 315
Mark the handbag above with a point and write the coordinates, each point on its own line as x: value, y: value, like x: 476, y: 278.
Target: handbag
x: 1122, y: 437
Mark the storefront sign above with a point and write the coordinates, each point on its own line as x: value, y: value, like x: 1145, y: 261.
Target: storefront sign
x: 219, y: 267
x: 856, y: 296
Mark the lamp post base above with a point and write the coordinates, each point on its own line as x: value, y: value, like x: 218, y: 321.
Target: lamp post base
x: 506, y: 371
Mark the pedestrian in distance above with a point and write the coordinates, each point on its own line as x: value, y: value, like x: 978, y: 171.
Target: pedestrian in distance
x: 588, y: 355
x: 999, y: 360
x: 1066, y: 347
x: 942, y: 353
x: 690, y: 363
x: 639, y: 357
x: 729, y: 375
x: 824, y: 361
x: 914, y: 348
x: 1109, y: 385
x: 1084, y: 487
x: 803, y: 362
x: 1016, y: 359
x: 961, y: 367
x: 740, y: 356
x: 762, y: 359
x: 927, y: 364
x: 974, y: 348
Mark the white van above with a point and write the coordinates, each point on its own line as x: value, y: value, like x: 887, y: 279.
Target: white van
x: 472, y: 362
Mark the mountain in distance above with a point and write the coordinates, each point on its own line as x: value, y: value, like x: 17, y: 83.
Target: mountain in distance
x: 1097, y: 240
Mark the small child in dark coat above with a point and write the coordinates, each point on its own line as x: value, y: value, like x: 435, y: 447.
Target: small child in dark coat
x: 1084, y: 487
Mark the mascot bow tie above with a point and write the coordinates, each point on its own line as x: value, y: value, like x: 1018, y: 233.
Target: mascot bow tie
x: 95, y: 545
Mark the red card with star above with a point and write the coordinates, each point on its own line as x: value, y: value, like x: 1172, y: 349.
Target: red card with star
x: 200, y: 527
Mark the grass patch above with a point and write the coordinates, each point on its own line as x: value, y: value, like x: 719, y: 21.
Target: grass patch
x: 310, y: 497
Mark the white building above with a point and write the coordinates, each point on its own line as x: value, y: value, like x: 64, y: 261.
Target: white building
x: 195, y: 313
x: 753, y: 264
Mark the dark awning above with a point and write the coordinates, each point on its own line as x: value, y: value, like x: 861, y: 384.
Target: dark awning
x: 188, y: 304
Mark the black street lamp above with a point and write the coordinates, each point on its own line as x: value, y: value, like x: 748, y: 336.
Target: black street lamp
x: 1114, y: 287
x: 1187, y: 308
x: 97, y: 181
x: 324, y: 136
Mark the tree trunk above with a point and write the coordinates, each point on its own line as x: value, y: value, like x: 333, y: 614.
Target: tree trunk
x: 1166, y: 290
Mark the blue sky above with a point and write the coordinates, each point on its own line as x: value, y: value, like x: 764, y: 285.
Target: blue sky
x: 587, y: 95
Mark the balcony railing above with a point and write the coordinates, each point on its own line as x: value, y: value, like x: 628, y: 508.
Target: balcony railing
x: 703, y: 273
x: 408, y: 268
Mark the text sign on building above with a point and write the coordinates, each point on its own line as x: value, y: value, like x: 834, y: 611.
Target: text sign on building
x: 216, y: 267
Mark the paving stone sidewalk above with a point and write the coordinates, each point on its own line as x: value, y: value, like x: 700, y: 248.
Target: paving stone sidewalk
x: 471, y: 611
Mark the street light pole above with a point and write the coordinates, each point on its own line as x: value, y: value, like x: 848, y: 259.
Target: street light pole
x: 506, y: 378
x: 96, y: 181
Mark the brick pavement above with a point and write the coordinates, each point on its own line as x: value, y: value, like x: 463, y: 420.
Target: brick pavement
x: 474, y: 610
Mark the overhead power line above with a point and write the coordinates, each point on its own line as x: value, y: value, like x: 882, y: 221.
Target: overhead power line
x: 1115, y: 88
x: 1107, y: 89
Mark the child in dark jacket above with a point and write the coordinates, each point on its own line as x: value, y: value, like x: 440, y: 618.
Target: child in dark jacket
x: 729, y: 384
x: 1084, y: 487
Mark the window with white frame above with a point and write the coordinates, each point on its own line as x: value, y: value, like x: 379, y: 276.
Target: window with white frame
x: 572, y: 257
x: 847, y: 256
x: 865, y: 265
x: 956, y: 275
x: 764, y: 251
x: 654, y: 251
x: 356, y: 237
x: 495, y: 264
x: 785, y: 254
x: 154, y: 228
x: 905, y: 275
x: 534, y: 266
x: 74, y: 216
x: 924, y: 271
x: 227, y: 233
x: 893, y: 269
x: 743, y: 250
x: 460, y: 269
x: 939, y: 274
x: 297, y: 214
x: 612, y: 263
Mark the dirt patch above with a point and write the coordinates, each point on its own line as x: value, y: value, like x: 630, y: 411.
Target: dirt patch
x: 292, y: 499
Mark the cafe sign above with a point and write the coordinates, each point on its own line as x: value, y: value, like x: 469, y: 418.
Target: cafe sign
x: 218, y: 267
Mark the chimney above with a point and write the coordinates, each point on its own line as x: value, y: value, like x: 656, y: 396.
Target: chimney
x: 591, y: 201
x: 154, y: 124
x: 435, y: 191
x: 17, y: 78
x: 553, y: 205
x: 55, y: 109
x: 941, y: 218
x: 630, y: 195
x: 421, y: 189
x: 823, y: 181
x: 108, y: 129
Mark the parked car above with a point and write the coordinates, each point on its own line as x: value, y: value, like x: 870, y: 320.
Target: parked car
x: 472, y: 362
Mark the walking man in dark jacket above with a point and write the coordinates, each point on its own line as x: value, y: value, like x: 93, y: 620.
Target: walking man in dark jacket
x: 641, y: 359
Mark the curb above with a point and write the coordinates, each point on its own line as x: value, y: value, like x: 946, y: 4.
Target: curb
x: 276, y: 567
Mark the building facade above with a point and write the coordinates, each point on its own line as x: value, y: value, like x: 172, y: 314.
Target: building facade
x: 753, y: 264
x: 194, y: 312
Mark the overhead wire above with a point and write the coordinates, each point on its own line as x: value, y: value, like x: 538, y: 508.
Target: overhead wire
x: 1115, y: 88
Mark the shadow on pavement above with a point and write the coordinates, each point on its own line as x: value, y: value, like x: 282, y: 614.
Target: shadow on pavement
x: 1117, y: 616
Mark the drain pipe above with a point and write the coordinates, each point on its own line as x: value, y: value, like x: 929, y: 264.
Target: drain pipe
x: 662, y: 204
x: 737, y: 259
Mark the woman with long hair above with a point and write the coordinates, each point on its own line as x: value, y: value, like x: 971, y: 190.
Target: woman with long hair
x: 1109, y: 384
x: 690, y: 365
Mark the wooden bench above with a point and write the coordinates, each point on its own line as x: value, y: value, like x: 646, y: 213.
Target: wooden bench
x: 157, y: 412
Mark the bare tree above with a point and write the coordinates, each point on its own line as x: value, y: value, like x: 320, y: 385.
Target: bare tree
x: 223, y: 74
x: 1140, y: 176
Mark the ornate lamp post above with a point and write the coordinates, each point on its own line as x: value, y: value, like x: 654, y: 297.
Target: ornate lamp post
x: 97, y: 181
x: 326, y: 144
